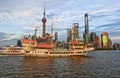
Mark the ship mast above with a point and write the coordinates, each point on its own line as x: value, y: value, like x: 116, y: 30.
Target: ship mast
x: 51, y: 34
x: 52, y: 28
x: 35, y: 33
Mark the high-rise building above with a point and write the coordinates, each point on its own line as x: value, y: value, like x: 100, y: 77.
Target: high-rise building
x: 86, y: 38
x: 104, y: 40
x: 56, y: 36
x: 69, y: 36
x: 44, y: 20
x: 76, y: 30
x: 73, y: 32
x: 86, y: 24
x: 97, y: 42
x: 92, y: 36
x: 109, y: 43
x: 86, y: 32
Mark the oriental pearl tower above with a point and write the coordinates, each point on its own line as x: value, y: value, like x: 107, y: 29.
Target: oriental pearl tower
x: 44, y: 20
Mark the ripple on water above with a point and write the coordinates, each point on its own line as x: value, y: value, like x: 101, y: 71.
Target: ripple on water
x: 95, y: 65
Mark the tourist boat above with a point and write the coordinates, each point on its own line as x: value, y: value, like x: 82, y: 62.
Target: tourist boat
x: 32, y: 48
x: 12, y: 50
x: 45, y: 47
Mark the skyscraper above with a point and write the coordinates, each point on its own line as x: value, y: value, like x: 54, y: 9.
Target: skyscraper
x: 86, y: 38
x: 73, y: 32
x: 104, y: 40
x: 76, y: 30
x: 86, y: 24
x: 86, y: 32
x: 97, y: 42
x: 56, y: 36
x: 92, y: 36
x: 69, y: 36
x: 109, y: 43
x: 44, y: 20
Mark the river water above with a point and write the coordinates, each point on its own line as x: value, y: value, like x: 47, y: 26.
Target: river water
x: 97, y: 64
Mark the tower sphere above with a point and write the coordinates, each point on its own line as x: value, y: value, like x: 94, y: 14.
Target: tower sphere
x: 44, y: 20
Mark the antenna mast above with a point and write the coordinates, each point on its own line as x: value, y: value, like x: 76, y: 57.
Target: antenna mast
x: 52, y: 27
x: 35, y: 32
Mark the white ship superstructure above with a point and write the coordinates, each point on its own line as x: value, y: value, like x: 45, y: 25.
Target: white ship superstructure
x: 12, y: 50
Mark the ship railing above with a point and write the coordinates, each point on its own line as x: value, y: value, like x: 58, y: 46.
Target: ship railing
x: 60, y: 52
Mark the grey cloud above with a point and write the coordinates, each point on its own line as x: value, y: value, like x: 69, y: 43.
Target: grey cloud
x: 118, y: 10
x: 107, y: 27
x: 7, y: 11
x: 115, y: 33
x: 8, y: 42
x: 110, y: 24
x: 51, y: 15
x: 6, y: 15
x: 115, y: 20
x: 4, y: 36
x: 37, y: 19
x: 98, y: 16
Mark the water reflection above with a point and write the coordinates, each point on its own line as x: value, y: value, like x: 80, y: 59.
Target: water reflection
x: 36, y: 67
x: 53, y: 67
x: 95, y: 65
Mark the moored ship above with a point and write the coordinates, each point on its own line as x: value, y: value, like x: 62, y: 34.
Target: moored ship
x: 47, y: 50
x: 32, y: 48
x: 12, y: 50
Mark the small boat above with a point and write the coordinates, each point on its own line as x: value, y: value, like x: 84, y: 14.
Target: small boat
x: 12, y: 50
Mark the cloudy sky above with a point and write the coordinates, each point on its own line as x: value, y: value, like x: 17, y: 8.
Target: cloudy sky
x: 18, y: 17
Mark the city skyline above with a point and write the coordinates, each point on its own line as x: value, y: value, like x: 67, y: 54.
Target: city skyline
x: 19, y: 18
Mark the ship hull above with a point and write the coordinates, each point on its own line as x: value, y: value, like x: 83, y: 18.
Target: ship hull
x: 55, y: 54
x: 11, y: 53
